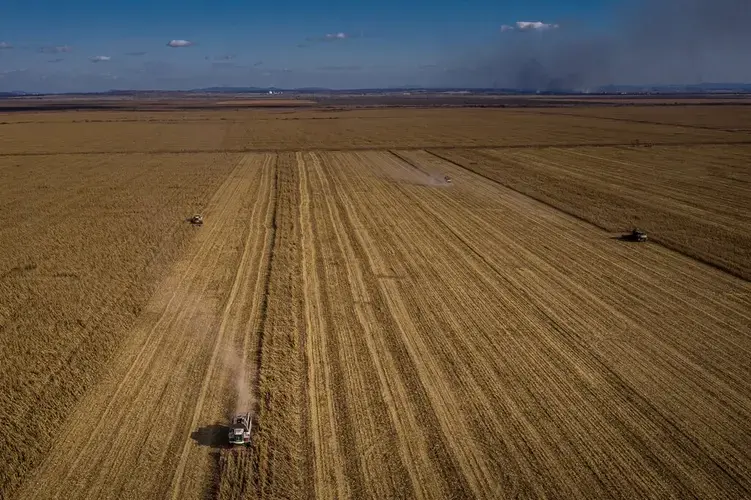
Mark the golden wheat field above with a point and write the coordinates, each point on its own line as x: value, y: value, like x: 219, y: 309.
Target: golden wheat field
x: 394, y: 333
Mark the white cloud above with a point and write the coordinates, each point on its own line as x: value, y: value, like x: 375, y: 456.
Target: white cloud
x: 528, y: 26
x: 179, y: 43
x: 336, y: 36
x: 100, y: 58
x: 5, y: 45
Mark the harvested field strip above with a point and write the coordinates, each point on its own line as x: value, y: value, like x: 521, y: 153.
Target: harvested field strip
x: 393, y: 368
x: 88, y: 266
x: 144, y: 405
x: 232, y: 365
x: 613, y: 424
x: 363, y: 351
x: 328, y: 472
x: 279, y: 465
x: 234, y: 473
x: 722, y: 241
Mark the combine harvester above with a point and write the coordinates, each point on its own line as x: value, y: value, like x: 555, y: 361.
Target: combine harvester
x: 239, y: 432
x: 635, y: 235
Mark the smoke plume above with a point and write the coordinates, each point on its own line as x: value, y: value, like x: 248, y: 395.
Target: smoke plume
x: 650, y: 42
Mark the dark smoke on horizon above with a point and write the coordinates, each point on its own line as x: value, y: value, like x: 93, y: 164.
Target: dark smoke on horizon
x: 652, y: 42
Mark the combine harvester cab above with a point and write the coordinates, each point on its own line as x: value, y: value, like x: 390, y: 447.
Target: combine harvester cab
x: 239, y: 432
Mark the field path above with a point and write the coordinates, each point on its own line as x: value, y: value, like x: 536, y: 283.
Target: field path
x: 139, y: 432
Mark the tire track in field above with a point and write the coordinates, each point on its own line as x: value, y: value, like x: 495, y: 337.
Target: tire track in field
x: 156, y: 377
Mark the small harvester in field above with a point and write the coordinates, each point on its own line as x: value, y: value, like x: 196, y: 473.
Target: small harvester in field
x: 196, y: 220
x: 447, y: 179
x: 635, y: 235
x: 239, y: 432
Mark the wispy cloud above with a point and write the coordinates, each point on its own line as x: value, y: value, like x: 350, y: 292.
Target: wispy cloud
x: 5, y: 45
x: 135, y: 54
x: 99, y: 58
x: 58, y: 49
x: 528, y: 26
x: 179, y: 43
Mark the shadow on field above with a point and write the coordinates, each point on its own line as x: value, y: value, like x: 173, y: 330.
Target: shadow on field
x: 214, y: 436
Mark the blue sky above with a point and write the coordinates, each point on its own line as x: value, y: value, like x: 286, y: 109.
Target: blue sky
x: 48, y: 45
x: 238, y: 42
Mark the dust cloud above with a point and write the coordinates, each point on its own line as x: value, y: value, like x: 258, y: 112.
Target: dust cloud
x: 241, y: 380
